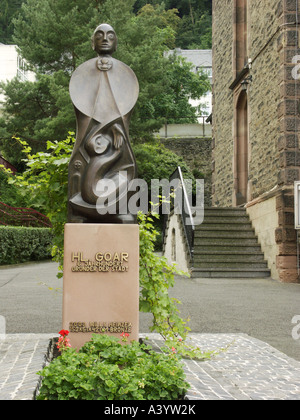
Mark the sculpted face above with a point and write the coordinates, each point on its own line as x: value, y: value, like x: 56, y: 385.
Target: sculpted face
x: 105, y: 39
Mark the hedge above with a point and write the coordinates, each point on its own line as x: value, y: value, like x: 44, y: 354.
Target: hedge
x: 21, y: 244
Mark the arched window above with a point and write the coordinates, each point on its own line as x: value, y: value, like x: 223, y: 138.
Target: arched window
x: 241, y: 149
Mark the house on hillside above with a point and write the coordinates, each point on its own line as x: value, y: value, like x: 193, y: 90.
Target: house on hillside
x: 200, y: 59
x: 12, y: 65
x: 256, y: 93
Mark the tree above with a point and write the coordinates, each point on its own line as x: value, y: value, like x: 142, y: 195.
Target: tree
x: 36, y: 111
x: 183, y: 84
x: 194, y: 30
x: 8, y: 9
x: 55, y: 35
x: 155, y: 161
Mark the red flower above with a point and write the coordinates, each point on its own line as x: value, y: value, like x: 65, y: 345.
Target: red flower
x: 64, y: 332
x: 63, y: 341
x: 125, y: 336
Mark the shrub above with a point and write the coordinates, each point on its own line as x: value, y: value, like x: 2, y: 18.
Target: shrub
x: 155, y: 161
x: 104, y: 369
x: 10, y: 194
x: 21, y: 244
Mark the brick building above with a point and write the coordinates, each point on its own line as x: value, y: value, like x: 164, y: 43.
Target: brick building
x: 256, y: 109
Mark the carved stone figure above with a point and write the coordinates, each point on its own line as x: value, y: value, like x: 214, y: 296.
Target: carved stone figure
x: 103, y: 91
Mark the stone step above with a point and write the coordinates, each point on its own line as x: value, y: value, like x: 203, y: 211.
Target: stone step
x: 214, y: 225
x: 220, y: 219
x: 227, y: 237
x: 207, y: 232
x: 228, y: 256
x: 224, y: 211
x: 225, y: 245
x: 230, y: 273
x: 244, y: 265
x: 227, y: 248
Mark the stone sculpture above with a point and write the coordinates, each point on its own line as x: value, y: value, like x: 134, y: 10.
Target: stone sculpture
x: 103, y: 91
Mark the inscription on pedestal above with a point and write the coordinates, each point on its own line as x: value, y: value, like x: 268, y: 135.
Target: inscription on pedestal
x: 102, y: 262
x: 100, y: 327
x: 101, y: 281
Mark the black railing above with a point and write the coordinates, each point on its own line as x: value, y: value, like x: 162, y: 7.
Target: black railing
x: 201, y: 120
x: 180, y: 204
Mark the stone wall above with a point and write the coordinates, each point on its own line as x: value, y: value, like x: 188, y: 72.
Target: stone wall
x: 263, y: 97
x: 222, y: 178
x: 273, y: 108
x: 197, y: 155
x: 273, y: 97
x: 264, y: 217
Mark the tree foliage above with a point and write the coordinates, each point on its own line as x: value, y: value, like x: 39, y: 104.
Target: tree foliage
x: 155, y: 161
x: 36, y: 111
x: 55, y: 35
x: 194, y: 31
x: 8, y: 10
x: 10, y: 194
x: 194, y: 27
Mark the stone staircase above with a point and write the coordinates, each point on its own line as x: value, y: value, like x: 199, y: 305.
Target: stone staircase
x: 225, y: 246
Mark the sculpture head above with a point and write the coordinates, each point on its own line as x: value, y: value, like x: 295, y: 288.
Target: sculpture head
x: 104, y: 39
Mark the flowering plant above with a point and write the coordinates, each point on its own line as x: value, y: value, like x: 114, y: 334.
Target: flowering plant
x: 124, y: 337
x: 63, y: 341
x: 105, y: 369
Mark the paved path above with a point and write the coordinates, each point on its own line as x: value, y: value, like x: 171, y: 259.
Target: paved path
x: 250, y: 313
x: 21, y: 357
x: 247, y: 370
x: 261, y: 308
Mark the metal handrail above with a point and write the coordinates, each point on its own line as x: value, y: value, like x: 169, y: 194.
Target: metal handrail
x: 186, y: 211
x: 204, y: 124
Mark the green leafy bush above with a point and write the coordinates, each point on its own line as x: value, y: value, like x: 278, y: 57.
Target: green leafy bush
x: 21, y: 244
x: 46, y: 182
x: 104, y: 369
x: 155, y: 161
x: 10, y: 194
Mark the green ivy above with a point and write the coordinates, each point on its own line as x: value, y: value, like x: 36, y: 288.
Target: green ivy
x: 157, y: 276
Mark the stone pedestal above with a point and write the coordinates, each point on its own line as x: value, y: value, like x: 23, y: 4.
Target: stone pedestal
x: 101, y: 281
